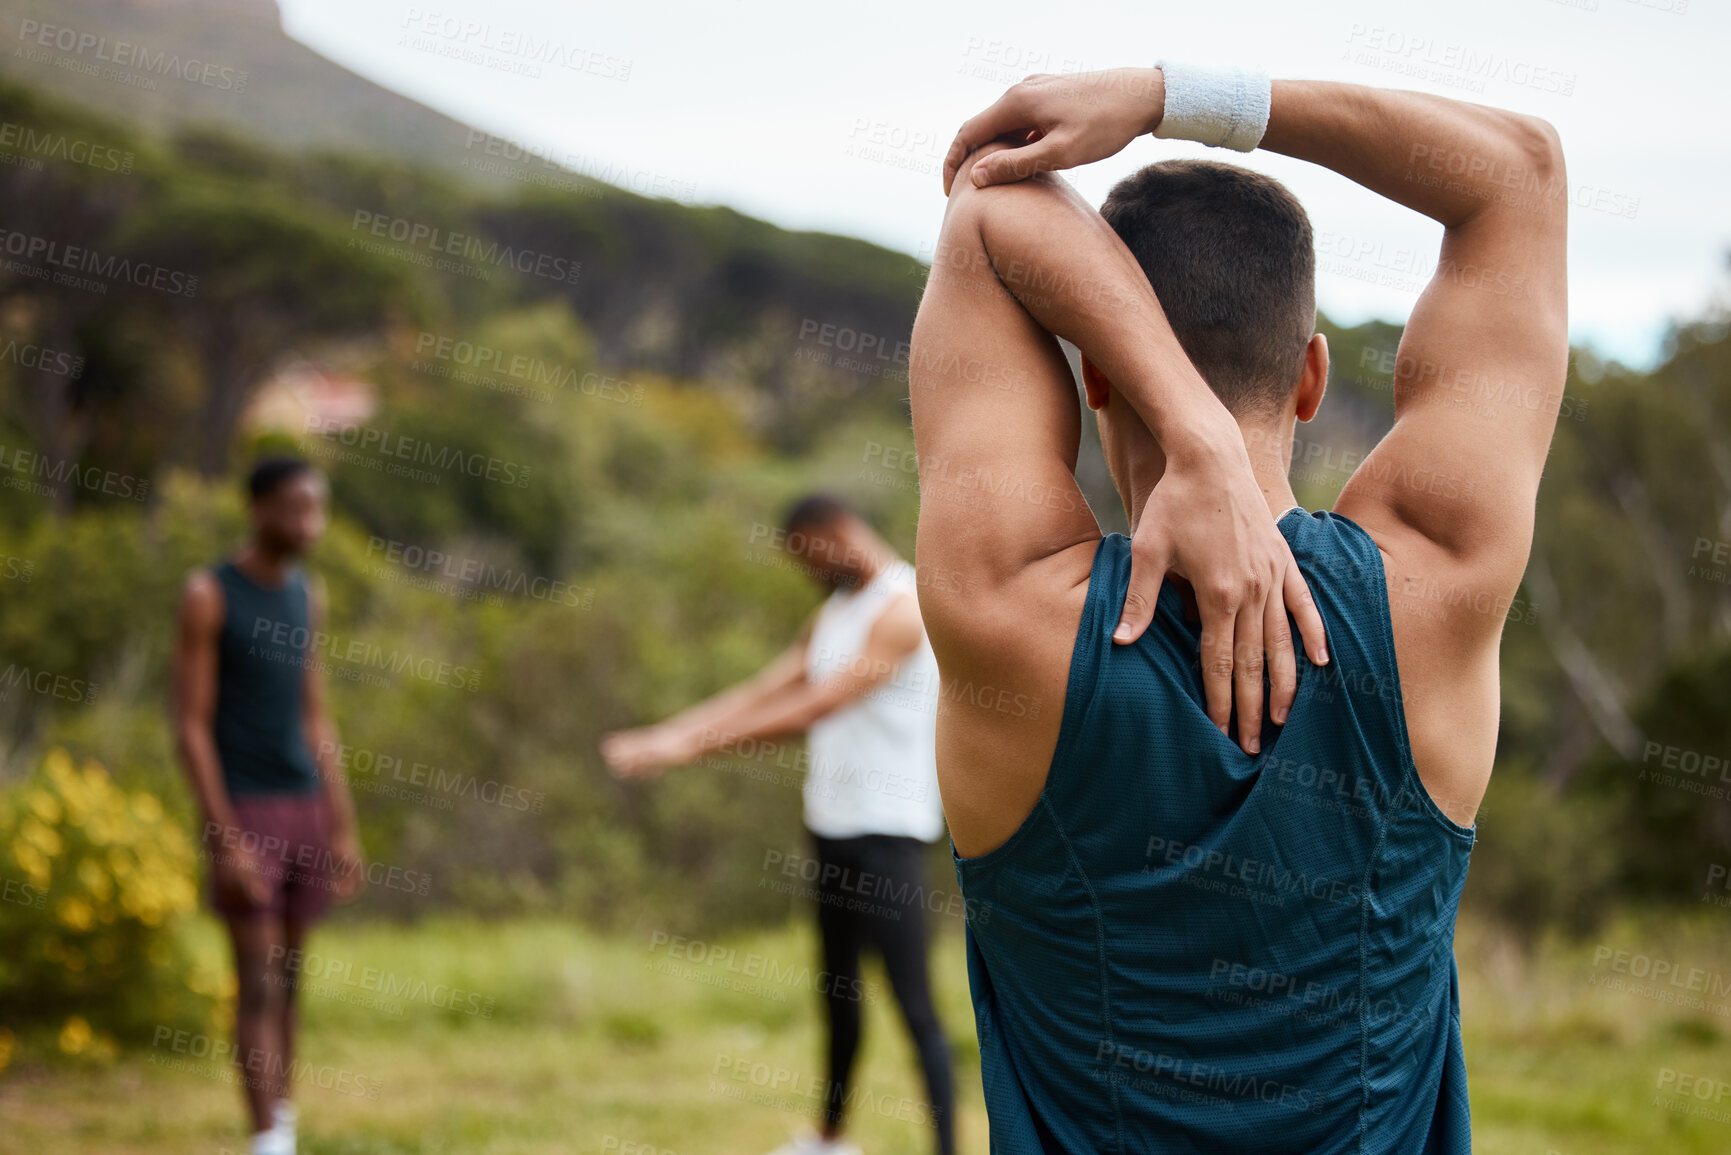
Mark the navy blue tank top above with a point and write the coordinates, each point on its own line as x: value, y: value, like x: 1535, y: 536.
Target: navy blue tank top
x: 261, y: 656
x: 1186, y: 948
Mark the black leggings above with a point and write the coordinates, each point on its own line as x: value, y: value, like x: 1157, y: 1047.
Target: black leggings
x: 872, y: 890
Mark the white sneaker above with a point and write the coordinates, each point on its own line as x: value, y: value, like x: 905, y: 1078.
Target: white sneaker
x: 283, y: 1115
x: 273, y: 1142
x: 811, y: 1143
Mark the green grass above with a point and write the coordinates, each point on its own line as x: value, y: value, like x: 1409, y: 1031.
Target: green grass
x: 589, y: 1047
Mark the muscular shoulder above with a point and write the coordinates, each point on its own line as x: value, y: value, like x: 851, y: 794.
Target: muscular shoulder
x: 898, y: 628
x: 1456, y: 601
x: 201, y: 599
x: 1004, y: 658
x: 1026, y: 618
x: 1446, y: 617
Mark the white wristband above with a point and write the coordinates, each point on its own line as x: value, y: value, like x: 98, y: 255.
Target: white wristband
x: 1224, y: 107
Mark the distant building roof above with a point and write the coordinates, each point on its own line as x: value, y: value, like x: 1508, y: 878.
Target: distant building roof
x: 304, y: 393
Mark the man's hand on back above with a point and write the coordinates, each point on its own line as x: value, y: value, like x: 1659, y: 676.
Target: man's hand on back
x: 1207, y: 521
x: 1059, y: 122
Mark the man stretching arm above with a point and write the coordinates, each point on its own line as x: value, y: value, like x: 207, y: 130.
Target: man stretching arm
x: 860, y: 683
x: 1194, y: 946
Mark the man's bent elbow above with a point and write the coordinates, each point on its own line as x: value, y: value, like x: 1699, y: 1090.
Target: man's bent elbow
x: 1541, y: 149
x: 964, y: 182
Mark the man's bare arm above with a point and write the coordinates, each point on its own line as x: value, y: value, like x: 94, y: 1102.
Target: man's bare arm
x: 897, y: 633
x: 785, y: 671
x: 779, y: 701
x: 1016, y: 266
x: 198, y: 625
x: 1450, y: 492
x: 1481, y: 366
x: 646, y: 750
x: 1479, y: 375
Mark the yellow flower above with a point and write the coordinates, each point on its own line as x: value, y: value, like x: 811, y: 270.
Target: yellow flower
x: 44, y: 805
x: 58, y: 764
x: 73, y: 793
x: 146, y: 807
x: 75, y: 913
x: 40, y: 836
x: 34, y: 862
x: 95, y: 880
x: 100, y: 829
x: 75, y: 1035
x: 182, y: 894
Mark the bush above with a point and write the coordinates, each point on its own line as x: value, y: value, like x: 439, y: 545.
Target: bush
x: 1544, y: 859
x: 97, y: 884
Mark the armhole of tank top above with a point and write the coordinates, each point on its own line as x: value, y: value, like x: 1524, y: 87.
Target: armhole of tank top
x: 216, y: 575
x: 1397, y: 708
x: 1081, y: 686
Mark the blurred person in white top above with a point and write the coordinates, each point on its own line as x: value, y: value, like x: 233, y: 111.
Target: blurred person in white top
x: 861, y: 683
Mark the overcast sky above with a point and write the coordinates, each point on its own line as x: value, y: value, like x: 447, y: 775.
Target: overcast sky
x: 836, y: 117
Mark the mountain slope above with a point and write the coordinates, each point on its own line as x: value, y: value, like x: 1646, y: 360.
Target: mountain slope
x: 167, y: 64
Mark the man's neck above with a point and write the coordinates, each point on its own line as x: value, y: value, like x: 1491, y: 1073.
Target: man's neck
x: 1270, y: 450
x: 263, y: 566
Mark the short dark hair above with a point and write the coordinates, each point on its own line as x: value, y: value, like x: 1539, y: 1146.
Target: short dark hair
x: 815, y: 511
x: 1230, y: 256
x: 270, y: 473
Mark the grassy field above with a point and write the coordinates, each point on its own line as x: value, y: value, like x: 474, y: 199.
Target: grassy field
x: 532, y: 1037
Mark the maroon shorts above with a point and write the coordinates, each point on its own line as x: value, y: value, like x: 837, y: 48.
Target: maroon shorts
x: 289, y: 837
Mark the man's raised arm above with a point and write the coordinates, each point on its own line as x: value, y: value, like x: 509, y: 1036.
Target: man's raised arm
x: 1479, y: 375
x: 995, y: 421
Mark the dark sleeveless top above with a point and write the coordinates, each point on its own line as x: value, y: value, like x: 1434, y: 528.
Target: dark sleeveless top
x: 260, y: 670
x: 1185, y: 948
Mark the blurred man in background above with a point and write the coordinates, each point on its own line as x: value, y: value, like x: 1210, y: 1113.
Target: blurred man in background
x: 860, y: 682
x: 254, y: 737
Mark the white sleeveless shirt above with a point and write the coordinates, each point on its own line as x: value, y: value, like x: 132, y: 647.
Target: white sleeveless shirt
x: 873, y: 762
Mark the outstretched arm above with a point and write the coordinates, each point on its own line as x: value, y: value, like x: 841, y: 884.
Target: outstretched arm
x: 780, y: 700
x: 786, y: 671
x: 647, y: 750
